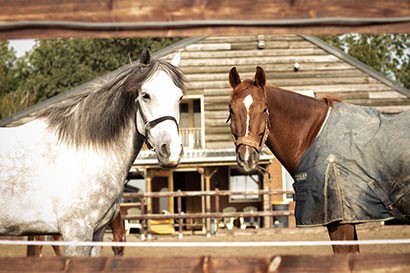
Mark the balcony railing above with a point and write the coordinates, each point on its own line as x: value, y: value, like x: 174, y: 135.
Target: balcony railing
x: 191, y: 137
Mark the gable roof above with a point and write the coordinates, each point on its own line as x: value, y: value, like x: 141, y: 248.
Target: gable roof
x: 349, y: 59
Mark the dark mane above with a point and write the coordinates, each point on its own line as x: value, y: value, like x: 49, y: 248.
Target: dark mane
x: 329, y: 100
x: 102, y: 113
x: 246, y: 83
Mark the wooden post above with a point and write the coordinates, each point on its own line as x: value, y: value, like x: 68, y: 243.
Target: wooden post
x: 208, y: 173
x: 208, y: 204
x: 180, y: 220
x: 217, y: 206
x: 143, y: 231
x: 267, y: 206
x: 33, y: 251
x: 148, y: 185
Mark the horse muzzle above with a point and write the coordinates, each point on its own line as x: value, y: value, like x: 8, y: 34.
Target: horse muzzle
x: 247, y: 158
x: 169, y: 154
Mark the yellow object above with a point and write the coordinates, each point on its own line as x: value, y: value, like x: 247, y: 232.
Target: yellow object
x: 162, y: 226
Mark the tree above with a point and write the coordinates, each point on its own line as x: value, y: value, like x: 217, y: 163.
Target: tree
x: 388, y: 54
x: 7, y: 73
x: 54, y: 66
x: 12, y: 73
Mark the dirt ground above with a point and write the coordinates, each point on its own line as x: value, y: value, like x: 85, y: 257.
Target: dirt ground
x: 365, y: 232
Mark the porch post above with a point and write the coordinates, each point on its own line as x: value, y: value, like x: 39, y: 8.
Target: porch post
x: 148, y: 186
x: 208, y: 173
x: 267, y: 206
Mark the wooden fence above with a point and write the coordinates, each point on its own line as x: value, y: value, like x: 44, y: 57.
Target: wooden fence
x: 209, y: 264
x: 207, y: 215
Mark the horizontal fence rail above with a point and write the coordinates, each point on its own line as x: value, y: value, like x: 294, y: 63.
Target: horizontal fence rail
x: 202, y: 193
x: 209, y: 244
x: 270, y: 264
x: 207, y: 215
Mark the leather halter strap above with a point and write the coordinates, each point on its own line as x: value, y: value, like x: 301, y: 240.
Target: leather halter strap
x: 250, y: 141
x: 247, y: 140
x: 151, y: 124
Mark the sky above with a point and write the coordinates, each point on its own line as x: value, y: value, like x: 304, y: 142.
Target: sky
x: 21, y: 46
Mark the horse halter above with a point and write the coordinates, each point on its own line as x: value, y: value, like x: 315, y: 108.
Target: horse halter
x: 250, y: 141
x: 151, y: 124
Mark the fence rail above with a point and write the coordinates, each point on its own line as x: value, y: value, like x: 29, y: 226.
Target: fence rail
x: 365, y: 262
x: 208, y: 215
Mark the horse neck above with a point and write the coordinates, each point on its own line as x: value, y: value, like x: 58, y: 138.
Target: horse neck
x: 295, y: 121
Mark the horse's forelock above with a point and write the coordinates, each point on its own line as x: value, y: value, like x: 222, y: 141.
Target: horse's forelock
x: 242, y: 87
x: 143, y: 72
x: 174, y: 73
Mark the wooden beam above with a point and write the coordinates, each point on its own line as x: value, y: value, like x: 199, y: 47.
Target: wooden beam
x: 287, y: 263
x: 122, y: 18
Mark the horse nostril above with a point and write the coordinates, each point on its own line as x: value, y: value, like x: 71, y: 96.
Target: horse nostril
x: 164, y: 150
x: 255, y: 155
x: 182, y: 151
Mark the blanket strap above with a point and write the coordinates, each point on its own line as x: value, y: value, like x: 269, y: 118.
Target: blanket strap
x: 387, y: 202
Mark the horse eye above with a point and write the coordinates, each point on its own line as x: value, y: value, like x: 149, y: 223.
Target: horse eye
x: 180, y: 99
x: 146, y: 96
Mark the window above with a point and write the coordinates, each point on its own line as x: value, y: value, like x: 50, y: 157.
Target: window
x: 240, y: 182
x: 191, y: 123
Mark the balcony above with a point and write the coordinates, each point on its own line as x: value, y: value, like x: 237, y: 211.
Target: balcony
x: 191, y: 138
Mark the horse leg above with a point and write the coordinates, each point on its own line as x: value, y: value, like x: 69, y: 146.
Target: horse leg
x: 34, y: 251
x: 77, y: 234
x: 57, y: 249
x: 118, y: 231
x: 341, y: 232
x: 98, y: 237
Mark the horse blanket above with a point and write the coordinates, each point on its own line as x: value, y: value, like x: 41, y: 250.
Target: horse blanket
x: 356, y: 170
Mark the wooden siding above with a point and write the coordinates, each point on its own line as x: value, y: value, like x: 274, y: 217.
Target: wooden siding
x: 207, y: 64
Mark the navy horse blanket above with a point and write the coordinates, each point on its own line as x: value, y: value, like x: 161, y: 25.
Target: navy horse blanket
x: 356, y: 170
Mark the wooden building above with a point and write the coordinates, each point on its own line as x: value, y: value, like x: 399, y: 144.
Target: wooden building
x: 209, y: 161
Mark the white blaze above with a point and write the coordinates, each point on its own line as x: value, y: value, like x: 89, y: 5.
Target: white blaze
x: 247, y: 102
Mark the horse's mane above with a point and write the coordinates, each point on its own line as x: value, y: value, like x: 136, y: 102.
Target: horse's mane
x: 330, y: 100
x: 101, y: 113
x: 246, y: 83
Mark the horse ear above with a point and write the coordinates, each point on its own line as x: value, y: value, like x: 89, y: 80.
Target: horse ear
x: 176, y: 59
x: 234, y: 78
x: 145, y: 56
x: 260, y: 77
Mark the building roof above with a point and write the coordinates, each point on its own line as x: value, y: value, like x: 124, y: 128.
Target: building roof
x: 349, y: 59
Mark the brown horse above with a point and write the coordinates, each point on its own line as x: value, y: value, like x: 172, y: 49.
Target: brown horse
x: 118, y: 231
x: 296, y: 129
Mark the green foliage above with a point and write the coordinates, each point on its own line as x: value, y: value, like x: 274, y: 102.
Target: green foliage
x: 7, y: 60
x: 54, y: 66
x: 12, y: 73
x: 388, y: 54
